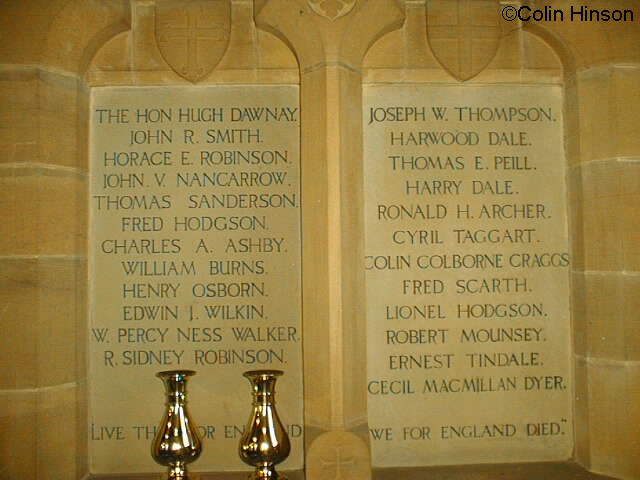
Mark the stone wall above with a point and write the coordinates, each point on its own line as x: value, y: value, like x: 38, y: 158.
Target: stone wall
x: 55, y: 51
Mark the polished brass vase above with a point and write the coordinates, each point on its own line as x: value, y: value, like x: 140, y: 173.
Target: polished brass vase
x: 265, y: 442
x: 176, y: 443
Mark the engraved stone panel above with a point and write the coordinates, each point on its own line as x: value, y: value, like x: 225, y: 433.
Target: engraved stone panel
x: 467, y: 274
x: 194, y: 263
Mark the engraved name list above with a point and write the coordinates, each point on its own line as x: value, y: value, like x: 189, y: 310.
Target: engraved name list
x: 194, y: 262
x: 467, y: 274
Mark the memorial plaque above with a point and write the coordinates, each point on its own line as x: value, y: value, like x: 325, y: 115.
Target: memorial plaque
x: 194, y: 264
x: 467, y: 274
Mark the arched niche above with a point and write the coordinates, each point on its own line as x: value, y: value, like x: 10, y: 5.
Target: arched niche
x: 214, y: 107
x: 582, y: 59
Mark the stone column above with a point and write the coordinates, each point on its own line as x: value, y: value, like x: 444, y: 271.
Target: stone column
x: 602, y: 98
x: 330, y: 44
x: 43, y: 177
x: 605, y: 181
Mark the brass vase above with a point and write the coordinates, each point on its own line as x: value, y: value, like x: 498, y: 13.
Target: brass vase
x: 265, y: 442
x: 176, y: 443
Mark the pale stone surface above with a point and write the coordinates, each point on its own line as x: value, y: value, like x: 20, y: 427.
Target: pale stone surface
x: 25, y: 25
x: 340, y: 456
x: 605, y: 199
x: 415, y: 291
x: 511, y: 471
x: 45, y: 211
x: 608, y: 96
x: 576, y: 217
x: 626, y: 104
x: 61, y: 344
x: 59, y: 112
x: 630, y: 433
x: 605, y: 323
x: 19, y: 116
x: 50, y: 290
x: 630, y: 206
x: 18, y: 198
x: 581, y: 410
x: 610, y: 186
x: 217, y: 204
x: 62, y: 36
x: 82, y: 414
x: 18, y: 294
x: 465, y: 36
x: 596, y: 121
x: 57, y: 440
x: 613, y: 424
x: 578, y: 313
x: 408, y: 47
x: 79, y: 29
x: 605, y: 315
x: 247, y: 53
x: 60, y: 230
x: 630, y: 306
x: 332, y: 255
x: 405, y: 47
x: 331, y: 187
x: 19, y: 426
x: 318, y: 361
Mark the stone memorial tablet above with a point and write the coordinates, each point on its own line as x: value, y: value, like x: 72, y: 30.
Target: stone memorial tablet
x: 194, y: 264
x: 467, y: 274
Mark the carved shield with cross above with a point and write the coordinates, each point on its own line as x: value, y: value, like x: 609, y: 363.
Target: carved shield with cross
x: 464, y: 34
x: 193, y: 35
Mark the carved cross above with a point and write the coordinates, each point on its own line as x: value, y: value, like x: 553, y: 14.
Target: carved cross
x: 196, y: 28
x: 465, y: 32
x: 338, y: 463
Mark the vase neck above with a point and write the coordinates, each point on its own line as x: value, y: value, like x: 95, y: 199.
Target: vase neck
x: 263, y: 384
x: 175, y: 384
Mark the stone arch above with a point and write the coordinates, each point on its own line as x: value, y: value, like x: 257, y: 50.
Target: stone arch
x: 81, y: 29
x: 577, y: 52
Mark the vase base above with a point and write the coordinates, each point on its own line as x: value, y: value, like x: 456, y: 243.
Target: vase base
x: 188, y: 476
x: 266, y: 475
